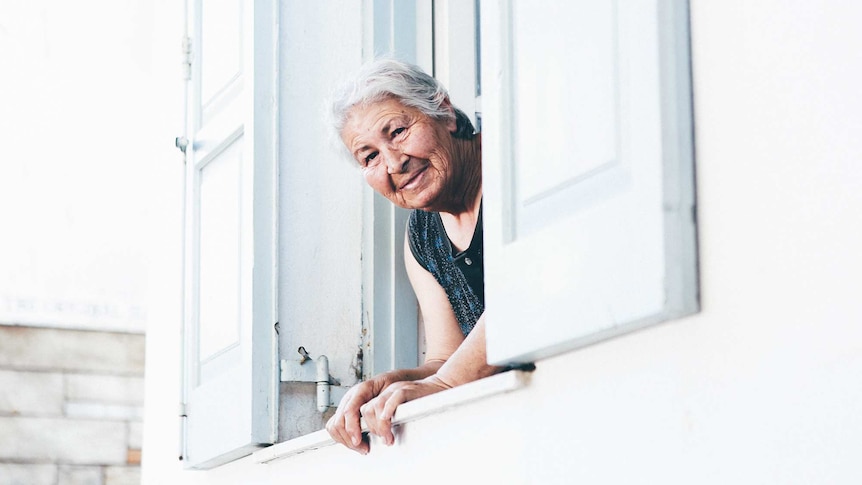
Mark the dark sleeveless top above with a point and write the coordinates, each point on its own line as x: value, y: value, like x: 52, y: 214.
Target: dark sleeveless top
x: 461, y: 275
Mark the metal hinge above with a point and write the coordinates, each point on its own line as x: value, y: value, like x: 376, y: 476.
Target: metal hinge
x: 316, y: 370
x: 187, y: 58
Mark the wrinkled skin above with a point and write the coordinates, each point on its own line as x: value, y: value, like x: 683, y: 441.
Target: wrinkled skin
x: 344, y: 426
x: 379, y: 411
x: 412, y: 159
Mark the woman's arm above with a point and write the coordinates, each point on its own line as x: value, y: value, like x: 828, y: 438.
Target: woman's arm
x: 462, y: 360
x: 442, y: 338
x: 442, y: 332
x: 467, y: 364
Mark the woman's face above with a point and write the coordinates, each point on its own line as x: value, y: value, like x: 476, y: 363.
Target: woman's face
x: 405, y: 155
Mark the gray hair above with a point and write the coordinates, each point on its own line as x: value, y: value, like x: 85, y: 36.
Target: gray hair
x: 389, y: 78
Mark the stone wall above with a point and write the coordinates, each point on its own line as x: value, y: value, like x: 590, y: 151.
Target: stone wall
x: 71, y: 405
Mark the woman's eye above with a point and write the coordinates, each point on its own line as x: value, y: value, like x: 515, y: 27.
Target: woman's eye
x: 370, y: 158
x: 397, y: 131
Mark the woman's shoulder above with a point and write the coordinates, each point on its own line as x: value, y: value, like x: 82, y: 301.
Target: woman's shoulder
x: 423, y: 228
x: 421, y: 220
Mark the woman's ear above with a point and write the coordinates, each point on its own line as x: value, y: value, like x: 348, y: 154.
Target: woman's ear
x: 451, y: 123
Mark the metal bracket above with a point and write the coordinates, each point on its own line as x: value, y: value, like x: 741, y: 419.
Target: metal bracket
x: 182, y: 143
x: 328, y: 395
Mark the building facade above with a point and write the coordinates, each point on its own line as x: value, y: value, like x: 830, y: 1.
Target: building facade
x: 755, y: 383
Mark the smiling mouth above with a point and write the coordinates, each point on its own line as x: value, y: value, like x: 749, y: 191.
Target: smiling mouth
x: 413, y: 179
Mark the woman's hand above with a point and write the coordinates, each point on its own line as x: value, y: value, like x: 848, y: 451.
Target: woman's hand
x: 344, y: 426
x: 467, y: 364
x: 379, y: 411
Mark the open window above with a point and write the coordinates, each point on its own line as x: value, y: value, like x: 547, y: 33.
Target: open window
x: 588, y: 194
x: 442, y: 38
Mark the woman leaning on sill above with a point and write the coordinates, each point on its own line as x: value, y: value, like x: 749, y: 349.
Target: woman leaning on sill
x: 420, y: 152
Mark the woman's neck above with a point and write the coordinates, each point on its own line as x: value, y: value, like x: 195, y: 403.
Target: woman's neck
x: 466, y: 195
x: 461, y: 215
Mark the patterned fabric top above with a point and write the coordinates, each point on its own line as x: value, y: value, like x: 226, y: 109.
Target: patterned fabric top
x: 461, y: 275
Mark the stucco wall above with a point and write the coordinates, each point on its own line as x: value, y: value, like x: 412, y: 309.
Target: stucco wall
x: 762, y: 385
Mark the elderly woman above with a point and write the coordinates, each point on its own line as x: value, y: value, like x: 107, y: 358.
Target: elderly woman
x: 421, y: 153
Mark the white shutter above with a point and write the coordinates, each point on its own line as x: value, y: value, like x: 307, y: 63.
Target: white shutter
x: 230, y: 380
x: 588, y: 182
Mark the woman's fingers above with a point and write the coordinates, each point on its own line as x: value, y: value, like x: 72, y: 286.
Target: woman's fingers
x: 344, y: 426
x: 387, y: 411
x: 335, y: 427
x: 378, y: 412
x: 398, y: 397
x: 371, y: 413
x: 345, y: 429
x: 352, y: 427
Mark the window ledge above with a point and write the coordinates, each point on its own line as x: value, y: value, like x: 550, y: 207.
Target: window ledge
x: 407, y: 412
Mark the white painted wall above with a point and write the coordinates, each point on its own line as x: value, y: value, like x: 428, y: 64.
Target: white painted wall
x: 763, y: 385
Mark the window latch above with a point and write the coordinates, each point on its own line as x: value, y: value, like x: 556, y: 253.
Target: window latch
x: 316, y: 370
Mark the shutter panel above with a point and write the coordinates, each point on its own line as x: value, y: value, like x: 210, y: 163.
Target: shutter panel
x: 588, y: 179
x: 230, y: 380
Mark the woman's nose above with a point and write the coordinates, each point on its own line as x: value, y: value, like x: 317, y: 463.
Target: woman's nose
x: 397, y: 163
